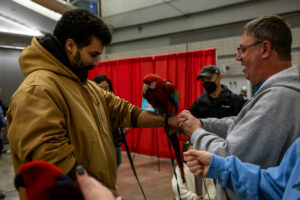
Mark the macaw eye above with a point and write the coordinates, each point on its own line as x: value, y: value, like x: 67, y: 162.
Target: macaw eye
x: 152, y: 85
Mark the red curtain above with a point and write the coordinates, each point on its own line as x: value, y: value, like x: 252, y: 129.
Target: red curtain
x: 127, y: 75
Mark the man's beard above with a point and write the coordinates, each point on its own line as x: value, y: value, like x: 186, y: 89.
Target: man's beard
x: 79, y: 69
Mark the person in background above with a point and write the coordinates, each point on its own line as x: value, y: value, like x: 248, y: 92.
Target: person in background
x: 194, y: 188
x: 105, y: 83
x: 59, y: 116
x: 2, y: 125
x: 4, y: 108
x: 269, y: 122
x: 216, y: 100
x: 244, y: 92
x: 249, y: 181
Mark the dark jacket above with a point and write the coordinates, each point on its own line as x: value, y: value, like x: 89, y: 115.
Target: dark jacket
x: 227, y: 104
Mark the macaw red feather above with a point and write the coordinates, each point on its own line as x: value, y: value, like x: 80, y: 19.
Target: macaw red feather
x: 43, y: 180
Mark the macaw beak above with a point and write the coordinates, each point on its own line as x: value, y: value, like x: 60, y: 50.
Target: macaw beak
x: 19, y: 181
x: 145, y: 88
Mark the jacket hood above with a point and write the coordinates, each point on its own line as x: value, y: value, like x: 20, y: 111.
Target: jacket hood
x: 36, y: 57
x: 289, y: 78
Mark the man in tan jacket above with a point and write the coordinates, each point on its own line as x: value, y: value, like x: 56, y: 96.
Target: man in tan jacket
x: 59, y: 116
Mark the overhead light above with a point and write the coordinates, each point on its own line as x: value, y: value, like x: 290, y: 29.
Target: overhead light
x: 11, y: 47
x: 39, y: 9
x: 16, y: 27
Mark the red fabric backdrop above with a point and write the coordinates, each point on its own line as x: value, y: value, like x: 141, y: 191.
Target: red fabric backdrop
x: 127, y: 79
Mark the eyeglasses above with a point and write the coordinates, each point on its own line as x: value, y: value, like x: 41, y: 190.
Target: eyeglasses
x: 242, y: 49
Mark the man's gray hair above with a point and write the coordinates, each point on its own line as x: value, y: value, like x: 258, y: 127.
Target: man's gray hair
x: 274, y: 29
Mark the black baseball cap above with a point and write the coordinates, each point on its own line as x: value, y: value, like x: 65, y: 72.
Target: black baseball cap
x: 208, y: 71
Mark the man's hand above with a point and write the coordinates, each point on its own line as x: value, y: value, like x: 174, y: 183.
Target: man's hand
x: 173, y: 122
x: 188, y: 123
x: 92, y: 189
x: 198, y: 161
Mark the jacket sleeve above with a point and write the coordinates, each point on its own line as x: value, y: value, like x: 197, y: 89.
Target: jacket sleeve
x: 218, y: 126
x: 185, y: 193
x: 121, y: 112
x: 36, y: 128
x: 254, y: 134
x: 249, y: 181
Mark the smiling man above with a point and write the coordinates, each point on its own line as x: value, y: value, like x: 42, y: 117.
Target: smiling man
x: 269, y: 122
x: 59, y: 116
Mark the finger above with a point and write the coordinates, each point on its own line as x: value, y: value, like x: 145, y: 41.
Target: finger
x: 188, y: 158
x: 90, y: 187
x: 181, y: 125
x: 193, y: 163
x: 187, y: 113
x: 198, y: 173
x: 196, y: 169
x: 182, y: 112
x: 191, y: 152
x: 180, y: 120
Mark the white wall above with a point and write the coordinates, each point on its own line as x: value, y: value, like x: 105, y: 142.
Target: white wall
x: 10, y: 73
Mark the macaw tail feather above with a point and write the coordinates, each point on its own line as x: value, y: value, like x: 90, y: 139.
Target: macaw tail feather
x: 173, y: 139
x: 175, y: 143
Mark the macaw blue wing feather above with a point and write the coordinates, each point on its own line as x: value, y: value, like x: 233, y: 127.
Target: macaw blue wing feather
x: 175, y: 98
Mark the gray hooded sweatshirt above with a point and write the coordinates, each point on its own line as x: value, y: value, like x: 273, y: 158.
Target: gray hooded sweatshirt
x: 263, y: 130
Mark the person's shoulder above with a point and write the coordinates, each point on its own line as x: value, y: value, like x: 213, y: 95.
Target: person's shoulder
x: 201, y: 100
x: 39, y: 77
x: 38, y: 81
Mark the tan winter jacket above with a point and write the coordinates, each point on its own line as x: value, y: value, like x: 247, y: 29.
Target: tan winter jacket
x: 56, y: 118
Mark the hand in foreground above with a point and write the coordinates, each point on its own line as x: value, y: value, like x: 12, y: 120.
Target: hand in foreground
x: 198, y: 161
x: 91, y: 188
x: 188, y: 123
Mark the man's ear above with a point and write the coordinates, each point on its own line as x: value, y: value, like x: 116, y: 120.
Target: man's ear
x: 220, y: 78
x: 267, y: 52
x: 70, y: 46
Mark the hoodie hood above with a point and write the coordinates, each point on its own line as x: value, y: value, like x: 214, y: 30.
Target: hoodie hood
x: 288, y: 78
x: 36, y: 57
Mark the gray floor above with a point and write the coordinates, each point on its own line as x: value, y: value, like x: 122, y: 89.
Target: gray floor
x: 156, y: 184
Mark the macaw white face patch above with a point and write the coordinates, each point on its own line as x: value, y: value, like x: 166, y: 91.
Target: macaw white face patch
x: 145, y: 88
x: 152, y: 85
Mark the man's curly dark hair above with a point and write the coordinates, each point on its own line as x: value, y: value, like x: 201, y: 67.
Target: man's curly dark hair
x: 80, y: 25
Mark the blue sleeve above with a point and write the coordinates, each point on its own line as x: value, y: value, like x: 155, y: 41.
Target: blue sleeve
x: 241, y: 178
x: 249, y: 181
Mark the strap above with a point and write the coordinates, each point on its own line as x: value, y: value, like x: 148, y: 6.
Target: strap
x: 131, y: 164
x: 167, y: 129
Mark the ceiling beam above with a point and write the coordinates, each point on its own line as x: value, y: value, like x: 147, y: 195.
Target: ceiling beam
x: 56, y: 6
